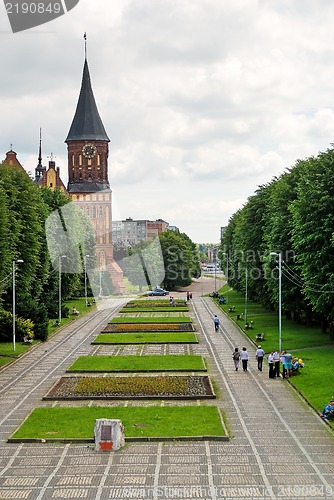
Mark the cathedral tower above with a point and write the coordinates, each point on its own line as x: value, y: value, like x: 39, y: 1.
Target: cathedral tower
x: 88, y: 185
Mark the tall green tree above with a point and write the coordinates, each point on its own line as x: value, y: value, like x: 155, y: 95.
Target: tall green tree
x: 180, y: 257
x: 313, y: 230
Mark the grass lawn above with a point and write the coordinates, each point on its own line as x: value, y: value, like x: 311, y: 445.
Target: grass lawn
x: 7, y: 354
x: 152, y: 319
x: 316, y: 379
x: 152, y: 421
x: 138, y: 363
x: 146, y: 338
x: 131, y: 310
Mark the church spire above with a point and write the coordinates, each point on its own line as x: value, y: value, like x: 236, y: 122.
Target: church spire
x: 39, y: 170
x: 40, y: 148
x: 87, y: 124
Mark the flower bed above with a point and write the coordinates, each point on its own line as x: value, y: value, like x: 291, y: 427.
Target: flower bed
x: 151, y: 327
x: 161, y: 387
x: 150, y: 319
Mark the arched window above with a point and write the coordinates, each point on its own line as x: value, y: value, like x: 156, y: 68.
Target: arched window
x: 94, y: 212
x: 100, y: 211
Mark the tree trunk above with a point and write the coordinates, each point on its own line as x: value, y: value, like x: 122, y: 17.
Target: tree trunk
x: 331, y: 331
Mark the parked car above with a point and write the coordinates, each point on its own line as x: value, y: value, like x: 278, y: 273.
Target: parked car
x: 157, y: 291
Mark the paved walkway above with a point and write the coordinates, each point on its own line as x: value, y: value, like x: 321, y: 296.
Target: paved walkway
x: 279, y: 447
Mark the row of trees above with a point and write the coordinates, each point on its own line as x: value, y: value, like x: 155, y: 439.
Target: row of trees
x: 292, y: 215
x: 24, y: 208
x: 171, y: 260
x: 29, y: 233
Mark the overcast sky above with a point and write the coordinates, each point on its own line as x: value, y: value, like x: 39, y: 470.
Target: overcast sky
x: 203, y: 100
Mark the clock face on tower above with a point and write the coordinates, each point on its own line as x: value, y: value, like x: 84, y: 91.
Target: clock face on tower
x: 89, y: 150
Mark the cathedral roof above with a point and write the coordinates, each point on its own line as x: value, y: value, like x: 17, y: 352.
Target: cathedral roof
x: 87, y: 124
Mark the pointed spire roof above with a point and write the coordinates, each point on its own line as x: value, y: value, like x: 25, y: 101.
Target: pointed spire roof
x: 87, y: 124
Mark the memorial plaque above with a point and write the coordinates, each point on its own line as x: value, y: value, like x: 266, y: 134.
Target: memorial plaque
x: 109, y: 434
x: 106, y: 432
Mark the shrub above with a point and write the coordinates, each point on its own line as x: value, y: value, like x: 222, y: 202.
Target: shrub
x: 24, y: 327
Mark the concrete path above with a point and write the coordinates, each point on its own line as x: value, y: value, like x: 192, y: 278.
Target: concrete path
x: 279, y: 447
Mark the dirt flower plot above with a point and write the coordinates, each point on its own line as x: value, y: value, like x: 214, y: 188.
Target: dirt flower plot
x: 185, y: 387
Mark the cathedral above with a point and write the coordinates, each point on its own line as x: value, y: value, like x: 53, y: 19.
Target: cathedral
x: 88, y: 184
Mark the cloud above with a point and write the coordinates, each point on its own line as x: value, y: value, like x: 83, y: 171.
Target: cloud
x: 202, y: 101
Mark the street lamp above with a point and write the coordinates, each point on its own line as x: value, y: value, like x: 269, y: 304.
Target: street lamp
x: 279, y: 254
x: 14, y: 299
x: 246, y: 294
x: 59, y: 280
x: 85, y: 262
x: 226, y: 276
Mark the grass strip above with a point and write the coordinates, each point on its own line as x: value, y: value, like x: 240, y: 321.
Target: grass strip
x: 152, y: 319
x: 316, y: 379
x: 152, y: 421
x: 146, y: 338
x: 138, y: 363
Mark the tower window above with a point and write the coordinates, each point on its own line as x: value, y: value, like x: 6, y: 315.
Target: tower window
x: 80, y: 159
x: 100, y: 212
x: 94, y: 212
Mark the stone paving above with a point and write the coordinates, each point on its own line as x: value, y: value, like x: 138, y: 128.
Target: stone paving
x: 279, y: 448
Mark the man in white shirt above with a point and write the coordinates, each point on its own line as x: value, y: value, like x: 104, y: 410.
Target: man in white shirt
x: 276, y: 357
x: 259, y: 356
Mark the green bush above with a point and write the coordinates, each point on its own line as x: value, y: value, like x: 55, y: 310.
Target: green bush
x: 24, y: 327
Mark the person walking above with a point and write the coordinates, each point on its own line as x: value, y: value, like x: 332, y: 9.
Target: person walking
x: 216, y: 322
x: 244, y: 358
x: 276, y: 357
x: 259, y: 356
x: 236, y: 358
x: 271, y: 365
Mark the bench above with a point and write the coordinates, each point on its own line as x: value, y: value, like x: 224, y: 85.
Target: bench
x: 260, y: 336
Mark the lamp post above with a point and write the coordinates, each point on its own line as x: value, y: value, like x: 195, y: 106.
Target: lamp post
x: 85, y: 262
x: 59, y: 280
x: 215, y: 263
x: 226, y: 276
x: 246, y: 294
x: 279, y: 254
x: 100, y: 292
x: 14, y: 300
